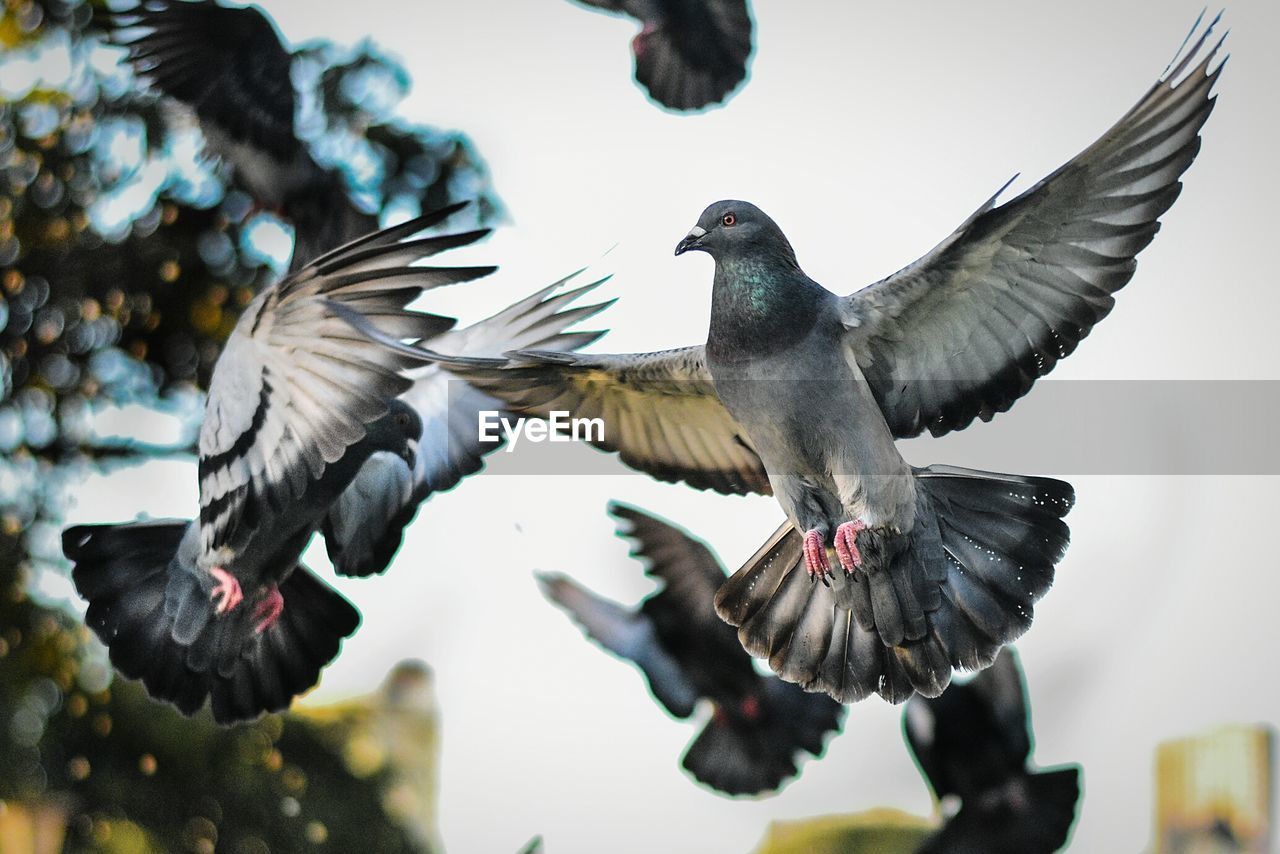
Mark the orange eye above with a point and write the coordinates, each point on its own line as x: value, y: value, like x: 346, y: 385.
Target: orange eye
x: 728, y: 219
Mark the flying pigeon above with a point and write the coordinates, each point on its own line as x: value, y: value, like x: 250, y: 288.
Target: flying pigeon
x: 758, y: 723
x: 801, y: 393
x: 219, y: 607
x: 690, y: 53
x: 973, y: 744
x: 229, y: 66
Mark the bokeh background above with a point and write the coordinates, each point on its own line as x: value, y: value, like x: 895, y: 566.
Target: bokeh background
x: 868, y: 131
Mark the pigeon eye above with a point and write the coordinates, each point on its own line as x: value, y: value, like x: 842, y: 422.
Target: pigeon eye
x: 728, y: 219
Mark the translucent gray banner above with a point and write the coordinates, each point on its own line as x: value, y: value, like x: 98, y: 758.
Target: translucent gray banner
x: 1126, y: 427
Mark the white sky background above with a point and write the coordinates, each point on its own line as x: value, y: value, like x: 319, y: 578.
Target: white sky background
x: 868, y: 131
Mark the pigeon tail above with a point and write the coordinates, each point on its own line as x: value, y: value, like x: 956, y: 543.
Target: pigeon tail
x: 1031, y: 814
x: 155, y: 617
x: 752, y: 748
x: 960, y: 587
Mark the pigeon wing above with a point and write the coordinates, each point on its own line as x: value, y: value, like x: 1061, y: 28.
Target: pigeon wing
x: 659, y: 410
x: 628, y: 634
x: 296, y: 384
x: 227, y: 64
x: 366, y: 526
x: 964, y: 332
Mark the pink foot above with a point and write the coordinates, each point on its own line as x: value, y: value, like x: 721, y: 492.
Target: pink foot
x: 227, y: 593
x: 847, y: 544
x: 268, y: 610
x: 750, y: 707
x: 815, y: 555
x: 640, y: 44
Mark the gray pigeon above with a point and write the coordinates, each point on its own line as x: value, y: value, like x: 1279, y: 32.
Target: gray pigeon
x: 973, y: 745
x: 801, y: 393
x: 228, y: 65
x: 758, y: 724
x: 690, y: 53
x: 220, y: 607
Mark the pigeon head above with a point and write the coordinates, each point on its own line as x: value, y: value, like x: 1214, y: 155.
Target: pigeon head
x: 398, y: 431
x: 727, y: 228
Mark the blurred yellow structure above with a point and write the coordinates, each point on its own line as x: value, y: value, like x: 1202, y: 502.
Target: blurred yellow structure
x: 877, y: 831
x: 37, y: 826
x: 1214, y: 792
x: 395, y: 732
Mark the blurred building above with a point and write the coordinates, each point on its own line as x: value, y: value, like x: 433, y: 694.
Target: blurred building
x: 1215, y: 792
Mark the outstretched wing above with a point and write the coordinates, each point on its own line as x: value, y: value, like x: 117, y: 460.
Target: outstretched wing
x: 296, y: 385
x: 628, y: 634
x: 659, y: 410
x: 965, y: 331
x: 226, y: 63
x: 690, y: 573
x: 367, y: 524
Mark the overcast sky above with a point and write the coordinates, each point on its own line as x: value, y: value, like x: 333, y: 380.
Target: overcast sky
x: 868, y: 131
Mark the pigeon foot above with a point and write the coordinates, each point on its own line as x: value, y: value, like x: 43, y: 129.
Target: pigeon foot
x: 268, y: 610
x: 815, y: 555
x: 750, y: 707
x: 226, y: 594
x: 847, y: 544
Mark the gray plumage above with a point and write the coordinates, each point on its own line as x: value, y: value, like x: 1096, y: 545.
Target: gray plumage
x: 299, y: 403
x: 802, y: 392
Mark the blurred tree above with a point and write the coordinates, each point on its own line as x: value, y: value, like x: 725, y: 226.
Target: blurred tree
x: 126, y: 256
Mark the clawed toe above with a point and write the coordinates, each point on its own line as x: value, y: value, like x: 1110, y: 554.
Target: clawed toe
x: 846, y: 542
x: 226, y: 593
x: 815, y: 555
x: 268, y: 610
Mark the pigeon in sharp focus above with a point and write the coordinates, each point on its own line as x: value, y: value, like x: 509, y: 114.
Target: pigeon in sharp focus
x: 801, y: 393
x: 229, y: 66
x: 758, y: 723
x: 220, y: 607
x: 690, y: 53
x: 974, y: 743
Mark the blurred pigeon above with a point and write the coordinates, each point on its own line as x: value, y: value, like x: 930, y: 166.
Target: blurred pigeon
x: 801, y: 393
x: 220, y: 607
x: 691, y: 53
x: 758, y: 723
x: 229, y: 66
x: 973, y: 744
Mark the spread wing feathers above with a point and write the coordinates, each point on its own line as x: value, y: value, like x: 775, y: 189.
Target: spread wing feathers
x: 659, y: 411
x: 227, y: 64
x: 365, y: 530
x: 450, y: 448
x: 628, y: 634
x: 296, y: 385
x: 965, y: 331
x: 690, y: 572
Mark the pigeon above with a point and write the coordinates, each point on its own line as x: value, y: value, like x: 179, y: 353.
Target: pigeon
x: 758, y: 723
x: 229, y: 66
x: 801, y: 393
x: 973, y: 744
x: 690, y: 53
x: 219, y: 608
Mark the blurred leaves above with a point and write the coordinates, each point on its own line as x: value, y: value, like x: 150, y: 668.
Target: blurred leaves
x: 126, y: 256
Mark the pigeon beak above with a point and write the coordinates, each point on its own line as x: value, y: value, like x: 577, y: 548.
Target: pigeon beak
x: 692, y: 240
x: 410, y: 454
